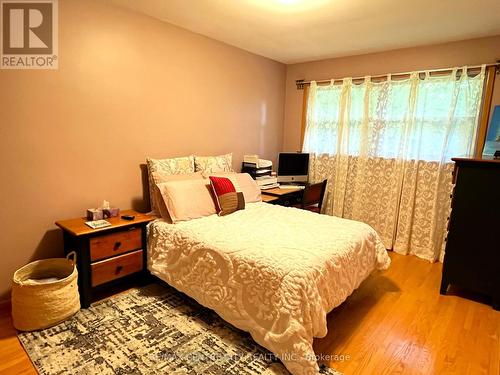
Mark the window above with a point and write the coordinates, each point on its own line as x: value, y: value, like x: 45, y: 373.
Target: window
x: 426, y: 119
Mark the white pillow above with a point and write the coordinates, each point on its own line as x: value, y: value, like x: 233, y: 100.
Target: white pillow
x: 187, y: 199
x: 172, y: 166
x: 249, y: 188
x: 159, y: 178
x: 214, y: 164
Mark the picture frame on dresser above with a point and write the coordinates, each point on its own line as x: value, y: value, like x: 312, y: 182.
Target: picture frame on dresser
x: 492, y: 141
x: 107, y: 257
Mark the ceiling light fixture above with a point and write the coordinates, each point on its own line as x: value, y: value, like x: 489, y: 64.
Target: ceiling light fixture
x: 288, y: 2
x: 288, y: 5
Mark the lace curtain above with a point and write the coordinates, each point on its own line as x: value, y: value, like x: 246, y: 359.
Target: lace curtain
x: 386, y: 151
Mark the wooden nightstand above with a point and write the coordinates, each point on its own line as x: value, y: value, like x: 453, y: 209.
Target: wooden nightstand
x: 107, y: 256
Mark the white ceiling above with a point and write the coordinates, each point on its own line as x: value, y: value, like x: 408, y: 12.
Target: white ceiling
x: 293, y: 31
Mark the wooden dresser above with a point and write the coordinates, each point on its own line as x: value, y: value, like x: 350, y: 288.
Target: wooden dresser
x: 107, y: 256
x: 472, y: 258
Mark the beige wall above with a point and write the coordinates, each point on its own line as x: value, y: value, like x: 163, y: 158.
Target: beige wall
x: 128, y: 87
x: 477, y: 51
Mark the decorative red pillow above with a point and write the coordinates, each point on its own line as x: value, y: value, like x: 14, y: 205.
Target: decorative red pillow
x: 227, y: 199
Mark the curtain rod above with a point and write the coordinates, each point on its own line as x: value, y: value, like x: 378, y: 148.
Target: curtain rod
x: 302, y: 82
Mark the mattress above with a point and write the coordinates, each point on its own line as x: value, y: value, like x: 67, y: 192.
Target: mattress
x: 270, y: 270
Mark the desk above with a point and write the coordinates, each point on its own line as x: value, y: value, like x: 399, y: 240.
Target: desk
x: 268, y: 198
x: 283, y: 197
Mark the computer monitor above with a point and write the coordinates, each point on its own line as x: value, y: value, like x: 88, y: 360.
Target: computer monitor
x: 293, y: 167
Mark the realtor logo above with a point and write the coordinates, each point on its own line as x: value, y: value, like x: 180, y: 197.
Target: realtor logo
x: 29, y: 37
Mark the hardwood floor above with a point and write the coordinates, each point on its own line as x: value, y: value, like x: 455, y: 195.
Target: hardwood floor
x: 398, y: 323
x: 395, y: 323
x: 13, y: 359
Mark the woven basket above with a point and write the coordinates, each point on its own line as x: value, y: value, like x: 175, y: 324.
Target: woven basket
x: 45, y: 293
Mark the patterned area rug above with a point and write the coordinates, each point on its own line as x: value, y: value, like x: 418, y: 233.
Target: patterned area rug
x: 150, y: 330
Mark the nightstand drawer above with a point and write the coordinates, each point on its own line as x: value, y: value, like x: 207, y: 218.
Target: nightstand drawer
x: 109, y: 245
x: 116, y: 267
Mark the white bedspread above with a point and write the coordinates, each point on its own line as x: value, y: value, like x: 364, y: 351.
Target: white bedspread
x: 273, y: 271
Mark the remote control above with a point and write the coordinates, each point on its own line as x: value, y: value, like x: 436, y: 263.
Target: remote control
x: 128, y: 217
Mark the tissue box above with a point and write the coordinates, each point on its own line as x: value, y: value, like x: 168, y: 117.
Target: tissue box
x: 94, y: 214
x: 110, y: 212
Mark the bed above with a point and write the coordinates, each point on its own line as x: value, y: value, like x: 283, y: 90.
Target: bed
x: 273, y: 271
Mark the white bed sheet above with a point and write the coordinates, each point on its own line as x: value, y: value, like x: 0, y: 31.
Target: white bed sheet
x: 270, y: 270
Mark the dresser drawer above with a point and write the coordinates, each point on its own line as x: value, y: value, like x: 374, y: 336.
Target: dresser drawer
x: 109, y: 245
x: 116, y: 267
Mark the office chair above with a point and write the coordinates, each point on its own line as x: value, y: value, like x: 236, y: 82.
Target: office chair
x: 312, y: 198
